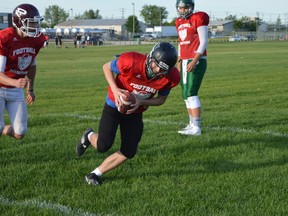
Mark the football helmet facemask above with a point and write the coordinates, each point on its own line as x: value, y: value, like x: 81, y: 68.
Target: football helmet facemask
x: 185, y: 4
x: 164, y: 55
x: 27, y: 19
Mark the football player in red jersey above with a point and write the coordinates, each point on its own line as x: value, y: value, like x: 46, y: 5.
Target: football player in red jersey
x: 19, y: 46
x: 192, y: 31
x: 150, y: 78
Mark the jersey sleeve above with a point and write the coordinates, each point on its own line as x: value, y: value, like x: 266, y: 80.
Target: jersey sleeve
x: 176, y: 23
x: 3, y: 51
x: 202, y: 19
x: 114, y: 67
x: 174, y: 80
x: 175, y: 77
x: 3, y: 61
x: 124, y: 63
x: 164, y: 92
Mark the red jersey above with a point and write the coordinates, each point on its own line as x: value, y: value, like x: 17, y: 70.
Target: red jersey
x: 187, y: 33
x: 132, y: 77
x: 20, y: 52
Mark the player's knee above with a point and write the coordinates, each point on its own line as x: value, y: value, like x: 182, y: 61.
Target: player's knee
x: 102, y: 147
x: 19, y: 132
x: 128, y: 154
x: 19, y: 136
x: 194, y: 102
x: 1, y: 130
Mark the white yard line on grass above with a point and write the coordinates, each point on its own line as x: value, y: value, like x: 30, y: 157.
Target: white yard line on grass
x: 45, y: 205
x: 69, y: 211
x: 214, y: 128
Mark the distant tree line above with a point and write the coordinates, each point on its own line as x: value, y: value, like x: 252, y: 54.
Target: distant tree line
x: 153, y: 15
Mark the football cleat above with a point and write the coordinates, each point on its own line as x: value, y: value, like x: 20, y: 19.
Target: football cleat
x: 93, y: 179
x: 189, y: 126
x: 83, y: 142
x: 190, y: 130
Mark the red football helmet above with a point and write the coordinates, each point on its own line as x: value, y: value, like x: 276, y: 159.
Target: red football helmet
x: 27, y: 19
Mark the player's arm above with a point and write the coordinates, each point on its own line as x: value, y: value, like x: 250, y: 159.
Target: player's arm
x: 30, y: 86
x: 3, y: 79
x: 18, y: 83
x: 31, y: 77
x: 158, y: 100
x: 108, y: 73
x: 109, y: 76
x: 203, y: 39
x: 179, y: 60
x: 155, y: 101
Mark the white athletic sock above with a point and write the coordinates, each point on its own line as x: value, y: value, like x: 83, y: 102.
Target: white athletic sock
x: 89, y: 135
x: 196, y: 121
x: 190, y: 119
x: 97, y: 172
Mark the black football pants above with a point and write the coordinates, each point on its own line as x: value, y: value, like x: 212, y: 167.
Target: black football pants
x: 131, y: 130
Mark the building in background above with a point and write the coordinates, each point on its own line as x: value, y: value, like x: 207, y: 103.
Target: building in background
x: 221, y: 28
x: 162, y: 31
x: 5, y: 20
x: 114, y: 28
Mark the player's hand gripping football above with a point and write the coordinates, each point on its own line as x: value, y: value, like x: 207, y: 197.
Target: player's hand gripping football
x: 134, y: 105
x: 117, y: 94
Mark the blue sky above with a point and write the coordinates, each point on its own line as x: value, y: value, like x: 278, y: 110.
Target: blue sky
x: 269, y: 11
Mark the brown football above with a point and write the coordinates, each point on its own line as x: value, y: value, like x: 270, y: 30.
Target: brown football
x: 126, y: 101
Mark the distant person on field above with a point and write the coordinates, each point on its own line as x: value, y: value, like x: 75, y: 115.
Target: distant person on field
x: 150, y: 78
x: 83, y: 41
x: 75, y: 40
x: 78, y: 40
x: 88, y: 40
x: 192, y: 31
x: 59, y: 40
x: 46, y: 43
x: 19, y: 46
x: 56, y: 41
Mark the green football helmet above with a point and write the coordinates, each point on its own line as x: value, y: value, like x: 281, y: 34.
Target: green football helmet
x: 185, y: 3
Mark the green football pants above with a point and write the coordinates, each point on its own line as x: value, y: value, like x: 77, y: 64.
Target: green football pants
x: 191, y: 82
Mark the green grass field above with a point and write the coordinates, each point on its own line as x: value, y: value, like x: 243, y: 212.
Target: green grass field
x: 238, y: 166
